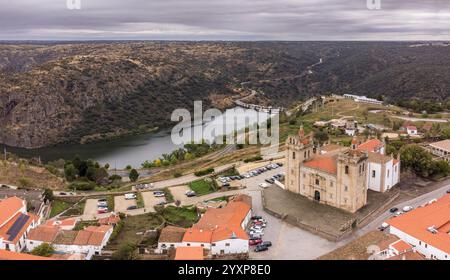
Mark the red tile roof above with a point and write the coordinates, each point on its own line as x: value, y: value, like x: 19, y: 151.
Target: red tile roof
x: 189, y: 253
x: 417, y: 222
x: 401, y: 246
x: 221, y: 224
x: 13, y: 256
x: 43, y: 233
x: 371, y: 146
x: 324, y: 163
x: 7, y: 226
x: 9, y: 207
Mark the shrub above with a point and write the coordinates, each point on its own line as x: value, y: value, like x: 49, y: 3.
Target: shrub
x: 82, y: 186
x: 204, y: 172
x: 252, y: 159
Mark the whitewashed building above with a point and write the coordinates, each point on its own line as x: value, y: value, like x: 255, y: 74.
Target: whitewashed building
x: 15, y: 224
x: 89, y: 241
x: 426, y: 228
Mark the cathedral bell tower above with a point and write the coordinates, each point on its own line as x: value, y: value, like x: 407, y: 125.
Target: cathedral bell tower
x: 299, y: 148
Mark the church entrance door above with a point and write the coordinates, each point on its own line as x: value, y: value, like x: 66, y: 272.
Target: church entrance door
x: 317, y: 196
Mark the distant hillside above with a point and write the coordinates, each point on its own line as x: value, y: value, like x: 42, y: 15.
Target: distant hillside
x: 52, y: 94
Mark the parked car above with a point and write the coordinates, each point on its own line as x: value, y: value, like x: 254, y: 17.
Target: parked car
x: 226, y: 185
x: 102, y: 200
x: 132, y: 207
x: 102, y: 204
x: 407, y: 208
x: 62, y: 193
x: 257, y: 231
x: 256, y: 241
x: 260, y: 248
x: 255, y: 236
x: 256, y: 217
x: 159, y: 194
x: 190, y: 193
x: 259, y: 223
x: 162, y: 203
x: 263, y: 185
x: 129, y: 196
x: 269, y: 180
x: 267, y: 243
x: 398, y: 213
x: 393, y: 210
x: 448, y: 191
x: 256, y: 228
x: 383, y: 226
x: 102, y: 210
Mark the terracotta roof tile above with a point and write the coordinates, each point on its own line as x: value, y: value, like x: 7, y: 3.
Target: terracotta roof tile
x: 43, y: 233
x: 9, y: 207
x: 189, y: 253
x: 13, y: 256
x: 324, y: 163
x: 371, y: 146
x: 417, y: 222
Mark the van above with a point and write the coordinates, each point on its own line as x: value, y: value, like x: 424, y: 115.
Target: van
x: 129, y: 196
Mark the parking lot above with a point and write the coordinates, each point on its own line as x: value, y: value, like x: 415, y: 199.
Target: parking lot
x: 179, y: 193
x: 121, y: 204
x: 150, y: 201
x: 288, y: 242
x: 90, y: 208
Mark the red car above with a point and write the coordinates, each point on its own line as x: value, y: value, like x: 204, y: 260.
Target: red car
x: 102, y: 211
x: 253, y: 242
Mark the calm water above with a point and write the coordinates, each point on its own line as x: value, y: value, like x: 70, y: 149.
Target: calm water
x: 119, y: 153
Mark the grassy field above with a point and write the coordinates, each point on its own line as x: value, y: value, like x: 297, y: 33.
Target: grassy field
x: 202, y: 187
x: 181, y: 216
x: 59, y: 206
x: 133, y: 227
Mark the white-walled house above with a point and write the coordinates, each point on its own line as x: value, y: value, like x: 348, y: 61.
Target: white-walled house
x: 219, y: 231
x: 383, y: 171
x: 89, y: 241
x: 411, y: 130
x: 15, y: 224
x: 426, y: 229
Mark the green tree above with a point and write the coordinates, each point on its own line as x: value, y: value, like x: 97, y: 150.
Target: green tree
x: 321, y: 136
x: 128, y: 167
x: 134, y: 175
x: 48, y: 195
x: 107, y: 166
x: 70, y: 172
x: 126, y: 252
x: 43, y: 250
x: 417, y: 159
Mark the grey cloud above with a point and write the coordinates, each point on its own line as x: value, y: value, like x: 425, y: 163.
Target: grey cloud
x: 225, y: 20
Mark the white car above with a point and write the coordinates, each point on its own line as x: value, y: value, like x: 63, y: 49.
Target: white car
x: 129, y: 196
x: 102, y: 204
x: 398, y: 213
x: 257, y: 231
x: 159, y: 194
x: 263, y: 185
x: 407, y: 208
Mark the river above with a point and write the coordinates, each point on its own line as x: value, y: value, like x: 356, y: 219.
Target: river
x: 130, y: 150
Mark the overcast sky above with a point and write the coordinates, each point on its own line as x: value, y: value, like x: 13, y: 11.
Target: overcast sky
x: 225, y: 20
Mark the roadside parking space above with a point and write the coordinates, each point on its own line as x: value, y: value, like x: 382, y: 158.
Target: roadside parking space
x: 150, y: 201
x: 90, y: 208
x: 179, y: 193
x: 121, y: 204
